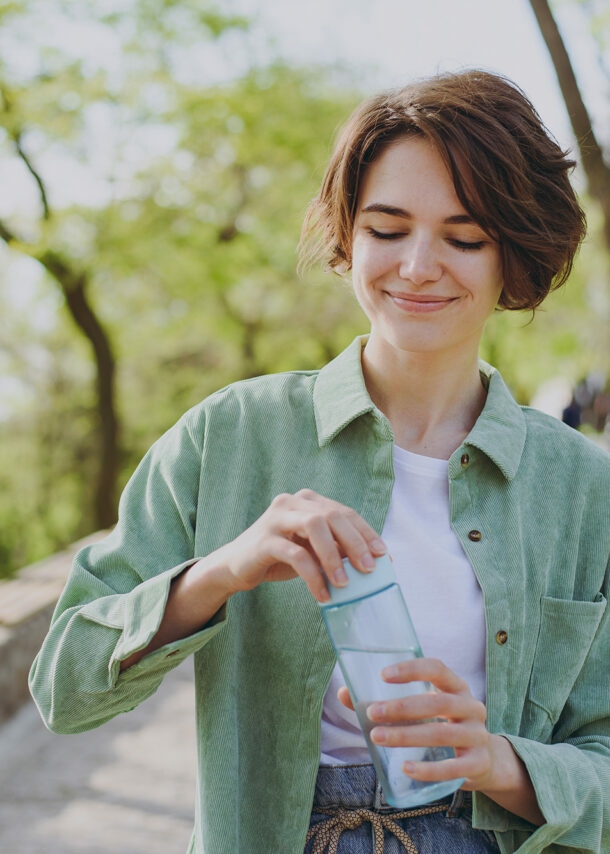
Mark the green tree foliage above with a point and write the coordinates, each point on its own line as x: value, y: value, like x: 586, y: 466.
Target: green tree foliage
x: 203, y: 253
x: 185, y: 254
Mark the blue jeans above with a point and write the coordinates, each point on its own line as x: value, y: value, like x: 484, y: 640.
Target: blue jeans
x: 448, y: 831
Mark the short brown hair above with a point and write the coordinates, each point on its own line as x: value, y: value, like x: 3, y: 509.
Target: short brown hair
x: 509, y: 173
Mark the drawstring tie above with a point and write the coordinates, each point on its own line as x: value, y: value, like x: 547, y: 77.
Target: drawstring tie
x: 325, y: 834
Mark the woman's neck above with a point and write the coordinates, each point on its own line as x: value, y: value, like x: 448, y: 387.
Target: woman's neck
x: 431, y: 401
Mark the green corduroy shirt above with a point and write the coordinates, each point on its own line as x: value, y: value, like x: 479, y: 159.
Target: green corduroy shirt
x: 530, y: 503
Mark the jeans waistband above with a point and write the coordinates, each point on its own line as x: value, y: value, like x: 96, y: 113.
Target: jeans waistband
x: 357, y: 786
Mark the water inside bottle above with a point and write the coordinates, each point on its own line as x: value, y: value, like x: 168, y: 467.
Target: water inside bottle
x: 362, y: 671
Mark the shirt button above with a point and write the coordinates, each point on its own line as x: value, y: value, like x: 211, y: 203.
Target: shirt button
x: 464, y: 460
x: 501, y: 637
x: 475, y: 536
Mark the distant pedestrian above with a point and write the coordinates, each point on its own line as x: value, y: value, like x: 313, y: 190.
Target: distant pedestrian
x: 571, y: 414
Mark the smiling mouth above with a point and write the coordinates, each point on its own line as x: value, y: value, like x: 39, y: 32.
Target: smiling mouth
x: 420, y: 302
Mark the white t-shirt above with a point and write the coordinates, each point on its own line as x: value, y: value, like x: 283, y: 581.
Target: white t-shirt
x: 440, y: 588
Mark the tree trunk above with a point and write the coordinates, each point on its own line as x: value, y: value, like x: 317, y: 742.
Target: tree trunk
x: 105, y: 498
x: 591, y: 154
x: 74, y: 288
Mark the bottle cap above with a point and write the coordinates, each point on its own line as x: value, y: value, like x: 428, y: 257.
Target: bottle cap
x: 362, y: 584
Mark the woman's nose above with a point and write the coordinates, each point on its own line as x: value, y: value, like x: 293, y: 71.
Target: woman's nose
x: 420, y: 262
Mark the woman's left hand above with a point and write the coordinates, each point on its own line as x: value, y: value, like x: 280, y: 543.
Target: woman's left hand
x: 406, y: 723
x: 450, y: 717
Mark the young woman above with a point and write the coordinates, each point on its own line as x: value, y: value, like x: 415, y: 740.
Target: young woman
x: 445, y: 199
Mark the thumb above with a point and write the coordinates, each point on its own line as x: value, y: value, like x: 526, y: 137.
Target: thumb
x: 344, y: 697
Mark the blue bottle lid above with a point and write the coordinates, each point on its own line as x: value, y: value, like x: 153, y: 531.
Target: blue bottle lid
x: 362, y: 584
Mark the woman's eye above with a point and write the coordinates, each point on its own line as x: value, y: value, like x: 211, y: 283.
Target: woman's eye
x: 385, y: 235
x: 468, y: 246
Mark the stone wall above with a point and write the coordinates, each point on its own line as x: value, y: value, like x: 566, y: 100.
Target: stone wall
x: 26, y: 606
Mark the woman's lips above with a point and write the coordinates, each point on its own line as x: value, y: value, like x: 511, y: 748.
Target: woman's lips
x: 420, y: 302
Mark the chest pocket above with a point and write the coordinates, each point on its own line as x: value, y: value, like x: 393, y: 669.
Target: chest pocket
x: 567, y: 629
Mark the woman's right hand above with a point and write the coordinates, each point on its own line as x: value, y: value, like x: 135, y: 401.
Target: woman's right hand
x: 304, y: 535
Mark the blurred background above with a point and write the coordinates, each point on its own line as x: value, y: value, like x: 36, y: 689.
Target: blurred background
x: 156, y: 160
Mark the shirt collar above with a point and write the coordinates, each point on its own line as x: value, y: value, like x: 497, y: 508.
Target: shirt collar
x: 500, y: 429
x: 340, y: 396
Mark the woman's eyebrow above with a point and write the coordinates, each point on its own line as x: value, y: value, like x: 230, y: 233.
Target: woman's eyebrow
x: 391, y: 210
x: 460, y: 219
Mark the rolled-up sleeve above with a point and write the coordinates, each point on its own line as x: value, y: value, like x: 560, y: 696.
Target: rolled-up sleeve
x: 116, y: 594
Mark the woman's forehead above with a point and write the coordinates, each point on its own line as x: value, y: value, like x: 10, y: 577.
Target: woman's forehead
x: 409, y: 172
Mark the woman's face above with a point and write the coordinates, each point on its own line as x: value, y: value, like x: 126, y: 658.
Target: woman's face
x: 426, y: 275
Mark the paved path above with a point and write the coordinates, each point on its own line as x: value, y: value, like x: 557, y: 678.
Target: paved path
x: 125, y: 788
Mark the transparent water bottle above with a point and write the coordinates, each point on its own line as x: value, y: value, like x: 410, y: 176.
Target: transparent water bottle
x: 370, y: 628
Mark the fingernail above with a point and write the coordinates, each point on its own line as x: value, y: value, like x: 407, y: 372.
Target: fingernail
x: 340, y: 577
x: 376, y: 710
x: 368, y: 561
x: 390, y: 672
x: 379, y: 735
x: 378, y: 546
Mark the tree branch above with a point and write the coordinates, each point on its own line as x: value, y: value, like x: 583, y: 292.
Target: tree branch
x: 598, y: 174
x: 17, y: 136
x: 46, y: 212
x: 6, y: 234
